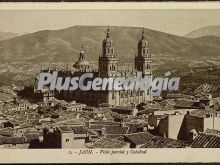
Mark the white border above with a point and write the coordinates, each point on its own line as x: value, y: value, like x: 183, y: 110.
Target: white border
x: 153, y: 155
x: 109, y: 5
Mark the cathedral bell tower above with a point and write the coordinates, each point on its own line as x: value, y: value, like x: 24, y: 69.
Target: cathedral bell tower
x: 143, y: 59
x: 143, y: 63
x: 108, y: 61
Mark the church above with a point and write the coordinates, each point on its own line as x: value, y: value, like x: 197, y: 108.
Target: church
x: 107, y: 67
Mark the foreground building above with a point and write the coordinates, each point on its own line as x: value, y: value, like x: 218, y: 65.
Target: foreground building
x: 184, y: 124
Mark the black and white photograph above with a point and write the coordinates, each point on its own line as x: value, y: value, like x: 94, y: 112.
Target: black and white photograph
x: 109, y: 78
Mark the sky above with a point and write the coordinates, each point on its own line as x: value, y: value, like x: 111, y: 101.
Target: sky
x: 178, y: 22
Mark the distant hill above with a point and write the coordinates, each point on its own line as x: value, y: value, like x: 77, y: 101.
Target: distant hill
x: 213, y: 30
x: 7, y: 35
x: 51, y: 46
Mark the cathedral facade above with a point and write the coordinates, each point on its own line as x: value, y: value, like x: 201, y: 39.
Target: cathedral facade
x: 108, y: 67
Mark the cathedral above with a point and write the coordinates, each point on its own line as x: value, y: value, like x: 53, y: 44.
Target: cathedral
x: 108, y: 67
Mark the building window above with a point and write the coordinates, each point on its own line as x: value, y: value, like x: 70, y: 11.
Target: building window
x: 67, y: 140
x: 113, y: 68
x: 113, y: 96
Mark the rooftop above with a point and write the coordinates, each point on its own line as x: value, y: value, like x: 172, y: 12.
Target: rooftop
x: 79, y: 129
x: 139, y: 138
x: 108, y: 143
x: 161, y: 142
x: 202, y: 112
x: 11, y: 140
x: 126, y: 108
x: 7, y: 132
x: 31, y: 136
x: 65, y: 128
x: 206, y: 140
x: 116, y: 130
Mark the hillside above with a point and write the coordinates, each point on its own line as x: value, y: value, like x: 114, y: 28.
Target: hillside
x: 213, y: 30
x: 7, y: 35
x: 51, y: 46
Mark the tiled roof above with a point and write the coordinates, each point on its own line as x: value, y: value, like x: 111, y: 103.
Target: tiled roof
x: 202, y: 112
x: 152, y: 105
x: 25, y: 125
x: 146, y: 111
x: 106, y: 123
x: 32, y: 136
x: 170, y: 101
x: 213, y: 131
x: 11, y: 140
x: 184, y: 103
x: 92, y: 133
x: 7, y: 131
x: 16, y: 122
x: 79, y: 130
x: 104, y: 105
x: 95, y: 126
x: 139, y: 138
x: 43, y: 108
x: 133, y: 127
x: 65, y: 128
x: 72, y: 121
x: 116, y: 130
x: 161, y: 142
x: 206, y: 140
x: 125, y: 108
x: 114, y: 136
x: 108, y: 143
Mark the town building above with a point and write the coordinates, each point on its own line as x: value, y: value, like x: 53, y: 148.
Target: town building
x: 184, y: 124
x: 65, y: 136
x: 58, y: 137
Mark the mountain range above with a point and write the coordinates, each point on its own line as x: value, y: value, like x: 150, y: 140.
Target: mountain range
x: 168, y: 51
x: 7, y: 35
x: 213, y: 30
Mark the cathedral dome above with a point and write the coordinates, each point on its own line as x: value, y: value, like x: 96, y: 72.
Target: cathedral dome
x: 81, y: 63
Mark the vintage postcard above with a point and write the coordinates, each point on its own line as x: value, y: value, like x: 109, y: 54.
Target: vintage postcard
x: 109, y: 82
